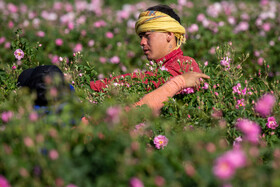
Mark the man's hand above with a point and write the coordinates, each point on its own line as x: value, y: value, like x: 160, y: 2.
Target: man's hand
x: 192, y: 79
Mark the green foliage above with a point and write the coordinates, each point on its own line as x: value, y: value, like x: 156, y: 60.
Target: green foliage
x: 53, y: 146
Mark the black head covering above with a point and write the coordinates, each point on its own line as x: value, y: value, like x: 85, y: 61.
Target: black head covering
x: 23, y: 78
x: 34, y: 79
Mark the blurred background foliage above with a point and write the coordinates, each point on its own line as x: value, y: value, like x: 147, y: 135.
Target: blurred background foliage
x: 51, y: 148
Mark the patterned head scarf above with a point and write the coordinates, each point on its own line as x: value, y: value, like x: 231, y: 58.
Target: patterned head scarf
x: 160, y: 22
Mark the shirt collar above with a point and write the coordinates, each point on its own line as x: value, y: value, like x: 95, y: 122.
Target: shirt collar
x: 169, y: 56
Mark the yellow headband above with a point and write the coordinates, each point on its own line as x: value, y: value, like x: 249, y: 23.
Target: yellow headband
x: 160, y: 22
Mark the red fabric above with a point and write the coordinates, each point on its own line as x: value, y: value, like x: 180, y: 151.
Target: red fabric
x: 174, y: 62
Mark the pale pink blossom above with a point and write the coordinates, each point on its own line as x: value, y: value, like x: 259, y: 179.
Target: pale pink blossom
x: 226, y: 165
x: 242, y: 26
x: 100, y: 76
x: 187, y: 91
x: 163, y: 68
x: 135, y: 182
x: 244, y: 91
x: 70, y: 25
x: 99, y: 24
x: 211, y: 147
x: 109, y: 35
x: 223, y: 168
x: 240, y: 103
x: 260, y: 61
x: 189, y: 169
x: 103, y: 60
x: 59, y: 42
x: 55, y: 59
x: 271, y: 123
x: 193, y: 28
x: 212, y: 50
x: 182, y: 2
x: 122, y: 14
x: 115, y: 60
x: 237, y: 157
x: 271, y: 43
x: 6, y: 116
x: 90, y: 43
x: 81, y: 5
x: 113, y: 114
x: 226, y: 62
x: 266, y: 27
x: 53, y: 92
x: 12, y: 8
x: 265, y: 105
x: 33, y: 116
x: 264, y: 2
x: 28, y: 142
x: 123, y: 68
x: 53, y: 154
x: 19, y: 54
x: 60, y: 59
x: 231, y: 20
x: 206, y: 86
x: 139, y: 128
x: 245, y: 16
x: 2, y: 40
x: 82, y: 20
x: 237, y: 88
x: 11, y: 24
x: 57, y: 5
x: 160, y: 141
x: 250, y: 129
x: 4, y: 182
x: 41, y: 34
x: 200, y: 17
x: 214, y: 9
x: 78, y: 47
x: 68, y: 7
x: 159, y: 181
x: 237, y: 142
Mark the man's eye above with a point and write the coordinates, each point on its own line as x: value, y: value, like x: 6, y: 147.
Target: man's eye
x: 146, y: 35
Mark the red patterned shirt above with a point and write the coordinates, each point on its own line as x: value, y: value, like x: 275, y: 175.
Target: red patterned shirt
x: 174, y: 62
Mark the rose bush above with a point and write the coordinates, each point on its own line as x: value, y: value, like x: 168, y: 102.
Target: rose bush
x: 224, y: 134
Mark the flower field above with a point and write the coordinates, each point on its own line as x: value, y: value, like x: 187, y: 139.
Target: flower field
x: 225, y: 134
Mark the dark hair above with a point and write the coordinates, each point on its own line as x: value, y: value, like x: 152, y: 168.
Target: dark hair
x: 34, y: 79
x: 167, y: 10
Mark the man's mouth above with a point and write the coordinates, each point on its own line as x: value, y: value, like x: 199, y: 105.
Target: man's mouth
x: 145, y: 51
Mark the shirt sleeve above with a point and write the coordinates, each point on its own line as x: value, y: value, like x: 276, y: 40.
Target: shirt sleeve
x: 156, y: 98
x: 99, y: 85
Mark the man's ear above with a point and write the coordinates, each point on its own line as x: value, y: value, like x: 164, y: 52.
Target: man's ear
x: 170, y: 36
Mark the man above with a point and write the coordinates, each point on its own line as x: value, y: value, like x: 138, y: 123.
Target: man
x: 162, y: 34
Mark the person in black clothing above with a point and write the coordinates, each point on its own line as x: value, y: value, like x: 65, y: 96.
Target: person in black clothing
x: 35, y: 80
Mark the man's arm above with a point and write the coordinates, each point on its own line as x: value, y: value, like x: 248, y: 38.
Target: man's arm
x: 156, y: 98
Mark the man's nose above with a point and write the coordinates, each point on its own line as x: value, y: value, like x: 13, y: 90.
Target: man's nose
x: 143, y: 41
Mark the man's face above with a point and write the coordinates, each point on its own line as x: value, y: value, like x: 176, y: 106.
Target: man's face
x: 154, y: 44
